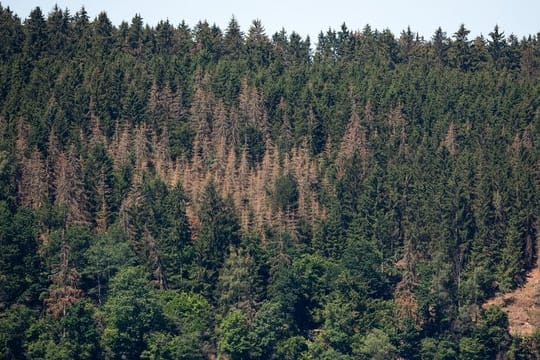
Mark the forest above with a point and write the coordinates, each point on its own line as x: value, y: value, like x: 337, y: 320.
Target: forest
x: 188, y: 192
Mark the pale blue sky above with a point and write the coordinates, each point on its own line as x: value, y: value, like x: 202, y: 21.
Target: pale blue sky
x: 520, y: 17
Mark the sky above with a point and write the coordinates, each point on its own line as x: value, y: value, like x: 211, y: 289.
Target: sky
x: 306, y: 17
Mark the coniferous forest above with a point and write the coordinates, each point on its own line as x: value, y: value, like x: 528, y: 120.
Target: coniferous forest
x: 190, y: 192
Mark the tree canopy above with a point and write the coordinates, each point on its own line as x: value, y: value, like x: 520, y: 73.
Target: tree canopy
x: 190, y: 192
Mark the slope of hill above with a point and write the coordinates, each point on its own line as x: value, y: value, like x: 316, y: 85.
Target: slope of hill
x: 522, y: 305
x: 178, y: 192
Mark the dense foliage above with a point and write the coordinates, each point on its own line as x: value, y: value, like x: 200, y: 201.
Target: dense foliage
x: 177, y: 193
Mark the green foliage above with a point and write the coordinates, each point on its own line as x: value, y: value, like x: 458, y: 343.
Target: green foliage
x: 291, y: 348
x: 7, y: 171
x: 189, y: 313
x: 170, y: 228
x: 510, y: 269
x: 219, y: 229
x: 108, y: 253
x: 233, y: 335
x: 129, y: 313
x: 269, y: 331
x: 339, y: 321
x: 493, y: 331
x: 363, y: 260
x: 13, y: 323
x: 471, y: 348
x: 236, y: 283
x: 375, y: 345
x: 74, y: 336
x: 164, y: 345
x: 438, y: 349
x: 20, y: 264
x: 285, y: 194
x: 329, y: 234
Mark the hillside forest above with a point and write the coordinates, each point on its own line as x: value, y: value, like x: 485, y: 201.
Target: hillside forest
x: 188, y: 192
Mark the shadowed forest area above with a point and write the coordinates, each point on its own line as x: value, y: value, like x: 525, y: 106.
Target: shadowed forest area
x: 190, y: 192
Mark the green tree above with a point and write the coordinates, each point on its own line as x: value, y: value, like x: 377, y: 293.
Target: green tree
x: 12, y: 33
x: 36, y: 36
x: 471, y: 348
x: 291, y: 348
x: 329, y: 235
x: 363, y: 260
x: 375, y: 345
x: 236, y: 283
x: 74, y: 336
x: 219, y: 229
x: 174, y: 238
x: 187, y: 320
x: 285, y: 194
x: 269, y: 328
x: 435, y: 349
x: 20, y: 265
x: 14, y: 321
x: 233, y: 42
x: 104, y: 257
x: 460, y: 51
x: 233, y: 335
x: 511, y: 267
x: 497, y: 46
x: 440, y: 45
x: 129, y: 314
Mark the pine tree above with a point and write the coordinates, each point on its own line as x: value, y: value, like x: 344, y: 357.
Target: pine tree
x: 497, y: 45
x: 286, y: 131
x: 103, y: 211
x: 450, y: 139
x: 354, y: 142
x: 218, y: 230
x: 440, y: 45
x: 36, y: 36
x: 511, y: 268
x: 236, y: 282
x: 33, y: 189
x: 460, y: 50
x: 65, y: 292
x: 69, y: 188
x: 201, y: 120
x: 135, y: 35
x: 233, y: 42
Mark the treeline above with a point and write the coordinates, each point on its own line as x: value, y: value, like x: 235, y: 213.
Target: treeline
x: 173, y: 192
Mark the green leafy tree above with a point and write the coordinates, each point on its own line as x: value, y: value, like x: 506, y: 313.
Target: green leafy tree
x: 129, y: 314
x: 329, y: 235
x: 439, y: 349
x: 187, y: 319
x: 363, y: 260
x: 291, y: 348
x: 74, y: 336
x: 269, y: 328
x: 13, y: 323
x: 107, y: 254
x: 375, y: 345
x: 174, y: 237
x: 233, y: 335
x: 12, y: 33
x: 471, y: 348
